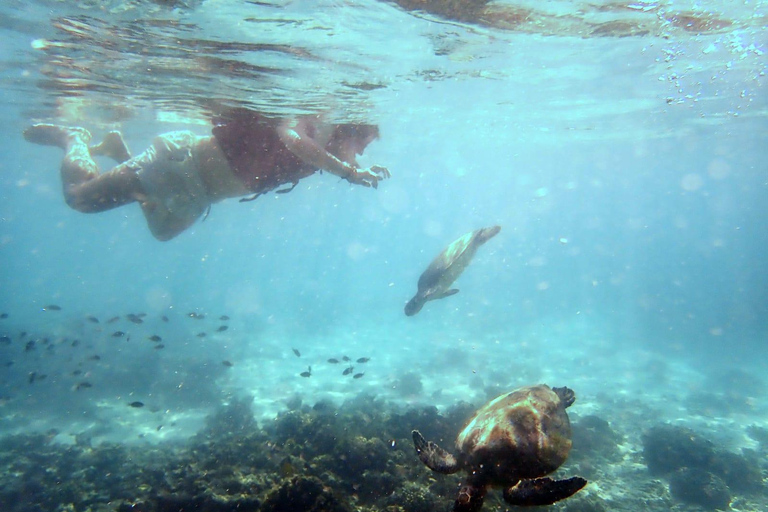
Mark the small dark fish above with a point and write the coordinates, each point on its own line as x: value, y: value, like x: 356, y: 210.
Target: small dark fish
x: 29, y: 346
x: 333, y: 360
x: 136, y: 404
x: 113, y: 319
x: 358, y: 375
x: 345, y: 359
x: 5, y: 340
x: 77, y: 372
x: 297, y: 353
x: 34, y: 377
x: 92, y: 319
x: 198, y: 316
x: 3, y: 315
x: 45, y: 341
x: 141, y: 315
x: 118, y: 334
x: 159, y: 346
x: 227, y: 364
x: 307, y: 373
x: 223, y: 318
x: 75, y: 343
x: 83, y: 385
x: 159, y: 428
x: 222, y: 328
x: 202, y: 335
x: 155, y: 338
x: 95, y: 357
x: 348, y: 370
x: 164, y: 318
x: 52, y: 307
x: 363, y: 360
x: 23, y: 334
x: 134, y: 318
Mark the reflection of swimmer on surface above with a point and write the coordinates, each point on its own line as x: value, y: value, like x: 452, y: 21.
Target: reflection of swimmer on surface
x: 575, y: 19
x: 178, y: 178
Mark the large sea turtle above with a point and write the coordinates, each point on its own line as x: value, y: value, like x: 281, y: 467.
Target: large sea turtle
x: 434, y: 282
x: 512, y: 441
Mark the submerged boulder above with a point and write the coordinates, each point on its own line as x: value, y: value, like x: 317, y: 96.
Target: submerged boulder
x: 699, y: 487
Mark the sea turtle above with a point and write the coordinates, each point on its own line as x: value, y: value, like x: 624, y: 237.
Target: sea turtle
x: 512, y: 441
x: 434, y: 283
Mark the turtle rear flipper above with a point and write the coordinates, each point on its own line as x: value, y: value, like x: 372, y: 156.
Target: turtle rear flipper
x: 434, y: 457
x: 542, y: 491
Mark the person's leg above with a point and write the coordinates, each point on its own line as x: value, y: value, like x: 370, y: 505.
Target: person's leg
x: 84, y: 188
x: 112, y: 146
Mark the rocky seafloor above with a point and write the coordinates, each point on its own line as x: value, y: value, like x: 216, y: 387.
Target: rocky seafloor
x: 359, y: 457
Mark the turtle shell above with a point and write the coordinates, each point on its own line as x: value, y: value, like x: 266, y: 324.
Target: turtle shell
x: 523, y: 434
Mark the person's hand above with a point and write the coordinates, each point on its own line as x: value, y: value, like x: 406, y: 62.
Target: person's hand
x: 369, y: 177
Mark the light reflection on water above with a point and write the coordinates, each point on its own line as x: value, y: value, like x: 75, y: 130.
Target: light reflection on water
x: 183, y: 60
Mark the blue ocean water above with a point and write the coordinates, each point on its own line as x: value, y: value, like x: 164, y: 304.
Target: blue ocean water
x: 628, y: 175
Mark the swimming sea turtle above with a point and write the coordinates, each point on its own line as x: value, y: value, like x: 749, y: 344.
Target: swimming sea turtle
x: 447, y: 267
x: 513, y: 441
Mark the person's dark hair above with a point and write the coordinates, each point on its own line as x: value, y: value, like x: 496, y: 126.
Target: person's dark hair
x: 355, y: 136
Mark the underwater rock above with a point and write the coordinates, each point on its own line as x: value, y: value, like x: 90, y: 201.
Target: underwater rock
x: 741, y: 473
x: 303, y: 494
x: 593, y: 437
x: 667, y: 448
x: 699, y: 487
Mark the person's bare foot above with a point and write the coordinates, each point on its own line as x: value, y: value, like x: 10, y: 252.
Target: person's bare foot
x: 113, y: 146
x: 55, y: 135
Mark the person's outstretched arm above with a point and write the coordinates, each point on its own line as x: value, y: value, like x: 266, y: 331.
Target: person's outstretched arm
x: 293, y: 133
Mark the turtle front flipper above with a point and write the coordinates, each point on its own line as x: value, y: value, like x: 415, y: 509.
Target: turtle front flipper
x: 434, y: 457
x: 542, y: 491
x: 446, y: 293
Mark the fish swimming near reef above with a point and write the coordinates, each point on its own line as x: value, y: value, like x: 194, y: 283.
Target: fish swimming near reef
x: 436, y: 280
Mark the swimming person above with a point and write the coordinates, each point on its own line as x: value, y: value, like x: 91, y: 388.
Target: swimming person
x: 181, y: 175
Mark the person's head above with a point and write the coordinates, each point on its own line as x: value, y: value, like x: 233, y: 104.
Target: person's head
x: 350, y: 140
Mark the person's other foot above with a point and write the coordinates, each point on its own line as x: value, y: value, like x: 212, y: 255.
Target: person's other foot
x: 55, y: 135
x: 113, y: 146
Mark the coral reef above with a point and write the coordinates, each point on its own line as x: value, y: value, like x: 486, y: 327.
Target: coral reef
x: 358, y: 456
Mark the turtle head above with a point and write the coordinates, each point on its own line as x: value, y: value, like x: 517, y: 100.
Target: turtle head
x: 566, y: 395
x: 486, y: 234
x: 414, y: 306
